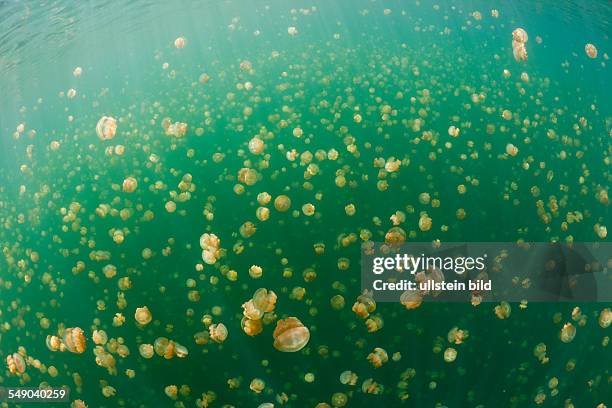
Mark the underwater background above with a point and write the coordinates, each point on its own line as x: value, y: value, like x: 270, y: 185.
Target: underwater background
x: 291, y: 132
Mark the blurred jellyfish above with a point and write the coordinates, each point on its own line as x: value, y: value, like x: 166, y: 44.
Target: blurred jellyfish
x: 590, y: 50
x: 106, y: 128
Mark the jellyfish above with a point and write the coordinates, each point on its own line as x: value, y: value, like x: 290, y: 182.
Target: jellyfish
x: 591, y: 50
x: 130, y: 184
x: 290, y: 335
x: 143, y: 316
x: 106, y: 128
x: 450, y: 354
x: 74, y: 340
x: 180, y: 42
x: 218, y: 332
x: 568, y: 332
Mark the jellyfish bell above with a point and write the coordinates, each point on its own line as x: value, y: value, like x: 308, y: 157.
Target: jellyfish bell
x: 130, y: 184
x: 106, y: 128
x: 290, y: 335
x: 74, y: 340
x: 590, y: 50
x: 251, y: 327
x: 146, y: 350
x: 218, y: 332
x: 520, y: 35
x: 180, y: 43
x: 568, y: 332
x: 143, y: 315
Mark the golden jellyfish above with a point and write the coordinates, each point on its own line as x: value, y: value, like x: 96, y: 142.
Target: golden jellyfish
x: 264, y: 198
x: 450, y: 354
x: 520, y: 35
x: 292, y: 31
x: 247, y: 229
x: 210, y: 248
x: 256, y: 145
x: 364, y: 306
x: 262, y: 213
x: 171, y: 391
x: 290, y: 335
x: 378, y: 357
x: 71, y: 93
x: 590, y: 50
x: 78, y: 71
x: 143, y: 316
x: 218, y: 332
x: 308, y: 209
x: 568, y: 332
x: 54, y: 343
x: 395, y: 236
x: 251, y: 327
x: 457, y: 335
x: 74, y: 340
x: 78, y: 404
x: 99, y: 337
x: 108, y: 391
x: 411, y: 299
x: 511, y: 150
x: 106, y: 128
x: 130, y: 184
x: 255, y: 272
x: 519, y: 39
x: 146, y: 350
x: 425, y: 222
x: 180, y: 43
x: 348, y: 378
x: 15, y: 363
x: 453, y: 131
x: 502, y: 311
x: 605, y: 318
x: 180, y: 351
x: 257, y: 385
x: 282, y: 203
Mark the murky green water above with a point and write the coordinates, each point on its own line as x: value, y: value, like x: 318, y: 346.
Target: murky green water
x: 331, y: 104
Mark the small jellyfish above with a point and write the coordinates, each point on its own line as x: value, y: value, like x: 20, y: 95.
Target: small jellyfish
x: 257, y: 385
x: 106, y: 128
x: 605, y: 318
x: 568, y: 332
x: 450, y: 354
x: 74, y: 340
x: 146, y: 350
x: 378, y: 357
x: 218, y: 332
x: 99, y: 337
x: 290, y: 335
x: 282, y: 203
x: 590, y: 50
x: 130, y: 184
x: 180, y: 43
x: 292, y: 31
x: 143, y: 315
x: 78, y: 71
x: 256, y: 145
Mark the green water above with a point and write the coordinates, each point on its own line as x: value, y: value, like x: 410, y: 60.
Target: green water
x: 410, y: 70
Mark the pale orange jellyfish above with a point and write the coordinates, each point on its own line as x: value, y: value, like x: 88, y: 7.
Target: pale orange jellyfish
x: 290, y: 335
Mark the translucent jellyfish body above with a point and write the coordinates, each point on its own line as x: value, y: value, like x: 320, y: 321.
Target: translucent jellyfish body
x: 218, y: 332
x: 143, y: 315
x: 106, y: 128
x: 74, y: 340
x: 290, y: 335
